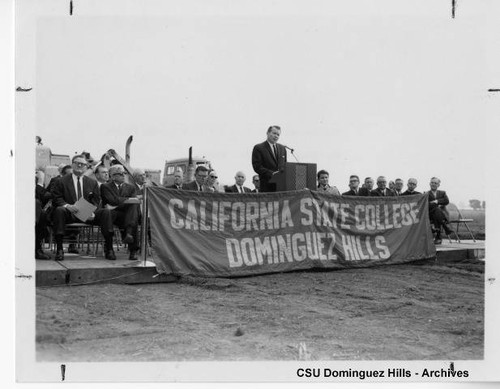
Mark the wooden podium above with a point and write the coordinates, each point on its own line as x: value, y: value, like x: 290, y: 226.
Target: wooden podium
x: 295, y: 176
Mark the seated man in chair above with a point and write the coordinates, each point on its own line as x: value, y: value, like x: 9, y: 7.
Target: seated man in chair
x: 121, y: 200
x: 67, y: 191
x: 438, y: 200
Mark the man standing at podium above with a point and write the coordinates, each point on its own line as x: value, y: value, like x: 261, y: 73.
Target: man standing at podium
x: 269, y: 158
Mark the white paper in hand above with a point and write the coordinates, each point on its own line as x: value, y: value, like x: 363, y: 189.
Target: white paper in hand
x: 85, y: 209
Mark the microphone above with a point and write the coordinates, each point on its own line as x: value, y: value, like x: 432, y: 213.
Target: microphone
x: 291, y: 151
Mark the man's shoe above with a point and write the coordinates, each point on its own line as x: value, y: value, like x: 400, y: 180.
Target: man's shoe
x: 437, y: 241
x: 72, y: 249
x: 59, y: 255
x: 111, y: 255
x: 133, y: 256
x: 39, y: 254
x: 128, y: 239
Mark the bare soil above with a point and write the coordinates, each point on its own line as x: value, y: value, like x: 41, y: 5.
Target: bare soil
x: 400, y: 312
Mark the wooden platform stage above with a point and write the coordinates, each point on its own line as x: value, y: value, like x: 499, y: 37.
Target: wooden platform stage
x: 84, y: 270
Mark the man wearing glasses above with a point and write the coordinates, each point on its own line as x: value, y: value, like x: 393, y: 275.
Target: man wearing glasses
x: 353, y: 186
x: 382, y: 189
x: 256, y: 183
x: 120, y: 199
x: 67, y: 191
x: 200, y: 176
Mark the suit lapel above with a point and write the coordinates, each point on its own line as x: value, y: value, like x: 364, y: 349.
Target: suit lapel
x: 268, y: 146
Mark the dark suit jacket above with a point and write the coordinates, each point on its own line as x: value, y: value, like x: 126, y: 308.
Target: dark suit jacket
x: 364, y: 192
x: 110, y: 194
x: 64, y: 191
x: 173, y: 186
x: 138, y: 190
x: 378, y: 192
x: 264, y: 163
x: 52, y: 183
x: 42, y: 195
x: 352, y: 193
x: 408, y: 193
x: 234, y: 189
x: 441, y: 197
x: 191, y: 186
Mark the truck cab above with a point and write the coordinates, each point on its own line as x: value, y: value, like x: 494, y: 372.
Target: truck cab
x: 182, y: 164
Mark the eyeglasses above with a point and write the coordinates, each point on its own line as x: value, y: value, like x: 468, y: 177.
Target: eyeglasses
x: 214, y: 177
x: 118, y: 174
x: 256, y: 180
x: 80, y: 164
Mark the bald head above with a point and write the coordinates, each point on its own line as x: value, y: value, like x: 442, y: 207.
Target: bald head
x: 240, y: 178
x: 139, y: 176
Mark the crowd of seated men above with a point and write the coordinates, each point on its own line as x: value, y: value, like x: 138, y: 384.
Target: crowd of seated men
x: 206, y: 180
x: 117, y: 204
x: 438, y: 199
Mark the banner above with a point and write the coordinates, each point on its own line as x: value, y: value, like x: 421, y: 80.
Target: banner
x: 232, y: 234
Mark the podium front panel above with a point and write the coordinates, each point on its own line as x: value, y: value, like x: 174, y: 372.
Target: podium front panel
x: 300, y: 176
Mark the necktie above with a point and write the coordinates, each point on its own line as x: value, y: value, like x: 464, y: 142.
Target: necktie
x: 79, y: 189
x: 240, y: 189
x: 275, y: 149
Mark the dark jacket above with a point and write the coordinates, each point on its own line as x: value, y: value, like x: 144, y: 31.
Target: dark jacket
x: 191, y: 186
x: 352, y: 193
x: 264, y: 162
x: 64, y: 191
x: 234, y: 189
x: 378, y: 192
x: 114, y: 197
x: 364, y: 192
x: 441, y: 197
x: 408, y: 193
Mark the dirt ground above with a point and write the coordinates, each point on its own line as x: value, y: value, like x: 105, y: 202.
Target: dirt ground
x: 399, y: 312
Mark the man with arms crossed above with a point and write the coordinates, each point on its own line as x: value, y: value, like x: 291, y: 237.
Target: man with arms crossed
x: 438, y: 200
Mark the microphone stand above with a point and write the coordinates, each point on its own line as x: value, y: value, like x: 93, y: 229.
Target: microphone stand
x: 291, y: 152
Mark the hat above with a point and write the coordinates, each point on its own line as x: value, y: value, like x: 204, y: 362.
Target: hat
x: 116, y: 169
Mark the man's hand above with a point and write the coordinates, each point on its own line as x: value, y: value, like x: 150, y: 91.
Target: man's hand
x: 276, y: 172
x: 72, y: 208
x: 434, y: 202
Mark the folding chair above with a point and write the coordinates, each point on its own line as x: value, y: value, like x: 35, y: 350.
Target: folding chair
x: 459, y: 219
x: 77, y: 233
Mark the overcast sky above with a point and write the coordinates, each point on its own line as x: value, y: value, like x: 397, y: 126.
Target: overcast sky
x: 401, y: 97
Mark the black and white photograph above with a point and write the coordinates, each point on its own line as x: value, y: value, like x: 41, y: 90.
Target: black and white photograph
x: 256, y: 191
